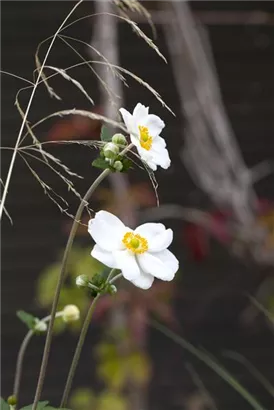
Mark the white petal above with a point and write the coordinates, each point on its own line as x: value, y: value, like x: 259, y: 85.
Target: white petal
x: 107, y: 231
x: 161, y: 241
x: 135, y: 141
x: 140, y: 112
x: 160, y: 157
x: 150, y: 230
x: 169, y: 259
x: 104, y: 256
x: 154, y: 125
x: 158, y: 144
x: 160, y: 141
x: 152, y: 165
x: 152, y: 264
x: 143, y: 281
x: 127, y: 117
x: 126, y: 261
x: 110, y: 219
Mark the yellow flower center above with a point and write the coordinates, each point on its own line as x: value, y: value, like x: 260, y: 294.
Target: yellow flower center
x: 135, y: 242
x: 145, y: 138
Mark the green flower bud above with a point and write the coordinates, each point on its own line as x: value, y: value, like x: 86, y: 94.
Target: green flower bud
x: 12, y: 400
x: 111, y: 150
x: 82, y: 281
x: 71, y: 313
x: 40, y: 326
x: 112, y: 289
x: 119, y: 139
x: 118, y: 165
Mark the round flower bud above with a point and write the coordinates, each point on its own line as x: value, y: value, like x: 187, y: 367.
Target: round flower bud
x: 71, y: 313
x: 118, y: 165
x: 119, y: 139
x: 12, y: 400
x: 82, y: 281
x: 40, y: 326
x: 112, y: 289
x: 111, y: 150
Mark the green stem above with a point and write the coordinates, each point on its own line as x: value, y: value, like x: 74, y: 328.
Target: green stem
x: 21, y: 355
x: 19, y: 364
x: 61, y: 278
x: 115, y: 278
x: 79, y: 347
x: 77, y: 352
x: 111, y: 273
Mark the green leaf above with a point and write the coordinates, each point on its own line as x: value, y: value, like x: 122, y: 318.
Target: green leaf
x: 105, y: 134
x: 29, y: 320
x: 4, y: 405
x: 100, y: 163
x: 127, y: 164
x: 40, y: 406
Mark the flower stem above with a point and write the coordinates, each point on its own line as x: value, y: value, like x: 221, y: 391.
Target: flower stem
x: 79, y: 347
x: 21, y: 355
x: 61, y: 278
x: 19, y: 364
x: 77, y: 352
x: 115, y: 278
x: 110, y: 275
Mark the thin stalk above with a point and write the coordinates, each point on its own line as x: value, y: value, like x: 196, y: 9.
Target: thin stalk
x: 21, y: 355
x: 111, y: 273
x: 115, y: 278
x: 77, y: 352
x: 81, y: 341
x: 61, y: 278
x: 5, y: 192
x: 19, y: 364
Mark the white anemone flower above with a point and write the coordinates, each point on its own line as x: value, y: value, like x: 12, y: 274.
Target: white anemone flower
x: 144, y: 130
x: 140, y: 254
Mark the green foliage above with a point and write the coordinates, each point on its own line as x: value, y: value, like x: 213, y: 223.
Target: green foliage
x: 28, y: 319
x: 105, y: 134
x: 85, y: 399
x: 111, y: 401
x: 127, y: 163
x: 42, y: 405
x: 4, y: 405
x: 116, y: 370
x: 101, y: 163
x: 80, y: 262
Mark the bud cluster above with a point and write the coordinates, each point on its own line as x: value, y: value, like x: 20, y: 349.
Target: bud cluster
x: 112, y: 149
x: 97, y: 285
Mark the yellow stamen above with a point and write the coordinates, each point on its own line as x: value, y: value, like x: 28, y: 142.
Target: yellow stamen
x: 135, y: 242
x: 145, y: 138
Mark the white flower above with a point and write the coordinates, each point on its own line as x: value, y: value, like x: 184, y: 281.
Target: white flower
x: 144, y: 130
x: 71, y: 313
x: 141, y: 255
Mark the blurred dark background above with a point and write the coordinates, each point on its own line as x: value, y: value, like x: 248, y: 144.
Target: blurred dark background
x: 211, y: 293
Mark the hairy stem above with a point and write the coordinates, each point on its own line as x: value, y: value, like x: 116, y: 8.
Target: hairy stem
x: 116, y: 278
x: 19, y: 364
x: 77, y: 352
x: 60, y: 283
x: 21, y: 355
x: 79, y: 347
x: 5, y: 192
